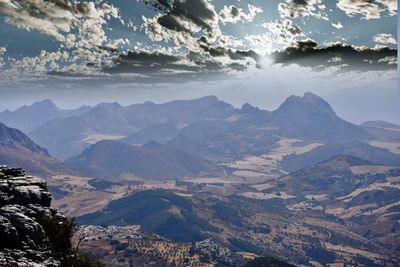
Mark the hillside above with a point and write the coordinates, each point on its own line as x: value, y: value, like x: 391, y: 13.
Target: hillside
x: 113, y: 160
x: 16, y: 149
x: 159, y: 212
x: 384, y: 131
x: 358, y: 149
x: 332, y: 176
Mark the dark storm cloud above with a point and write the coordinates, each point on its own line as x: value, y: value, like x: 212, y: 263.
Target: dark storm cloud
x: 343, y: 56
x: 184, y: 15
x: 160, y: 67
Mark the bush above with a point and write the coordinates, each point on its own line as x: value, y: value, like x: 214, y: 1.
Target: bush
x: 267, y: 262
x: 60, y: 232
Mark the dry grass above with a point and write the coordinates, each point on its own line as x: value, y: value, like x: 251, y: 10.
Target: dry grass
x: 392, y: 147
x: 266, y: 196
x: 93, y: 139
x: 267, y: 165
x: 371, y: 187
x: 363, y: 169
x: 353, y: 251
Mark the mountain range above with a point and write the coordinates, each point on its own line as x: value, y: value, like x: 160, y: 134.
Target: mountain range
x: 298, y: 183
x: 187, y: 138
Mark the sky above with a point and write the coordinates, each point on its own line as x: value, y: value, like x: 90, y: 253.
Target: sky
x: 85, y: 52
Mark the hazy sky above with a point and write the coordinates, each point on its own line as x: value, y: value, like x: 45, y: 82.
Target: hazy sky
x: 85, y: 52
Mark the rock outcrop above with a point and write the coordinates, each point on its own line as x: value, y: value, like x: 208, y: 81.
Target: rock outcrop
x: 28, y: 226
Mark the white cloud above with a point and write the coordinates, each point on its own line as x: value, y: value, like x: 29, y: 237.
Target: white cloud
x: 388, y: 60
x: 233, y: 14
x: 385, y: 39
x: 77, y: 24
x: 2, y: 51
x: 283, y: 32
x: 372, y: 9
x: 338, y: 25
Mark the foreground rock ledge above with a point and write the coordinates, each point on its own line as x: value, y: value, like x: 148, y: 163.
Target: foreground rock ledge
x: 27, y: 222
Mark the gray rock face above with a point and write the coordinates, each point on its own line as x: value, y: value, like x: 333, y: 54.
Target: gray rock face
x: 25, y: 214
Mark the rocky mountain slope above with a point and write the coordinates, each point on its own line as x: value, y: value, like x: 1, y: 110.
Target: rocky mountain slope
x: 32, y: 233
x: 16, y: 149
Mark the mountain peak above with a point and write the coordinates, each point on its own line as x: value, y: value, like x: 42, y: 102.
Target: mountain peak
x: 306, y: 98
x: 248, y: 108
x: 44, y: 102
x: 210, y: 98
x: 113, y: 104
x: 311, y: 117
x: 308, y: 95
x: 309, y: 102
x: 105, y: 107
x: 44, y: 105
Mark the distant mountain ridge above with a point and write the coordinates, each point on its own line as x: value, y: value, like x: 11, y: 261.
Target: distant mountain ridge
x: 214, y: 130
x: 16, y: 149
x: 306, y: 117
x: 63, y: 137
x: 27, y: 118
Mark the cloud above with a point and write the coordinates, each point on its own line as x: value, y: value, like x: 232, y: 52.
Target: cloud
x: 76, y: 24
x: 150, y: 66
x: 189, y: 16
x: 234, y: 14
x: 185, y: 23
x: 338, y: 25
x: 2, y: 51
x: 371, y: 9
x: 200, y: 49
x: 283, y: 32
x: 302, y: 8
x: 339, y: 56
x: 385, y: 39
x: 169, y: 40
x: 193, y: 27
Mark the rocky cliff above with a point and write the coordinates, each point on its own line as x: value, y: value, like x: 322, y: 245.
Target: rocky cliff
x: 31, y: 233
